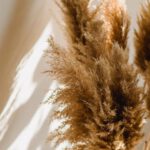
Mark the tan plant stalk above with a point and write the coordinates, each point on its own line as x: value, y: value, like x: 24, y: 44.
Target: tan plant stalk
x: 147, y: 144
x: 104, y: 107
x: 142, y: 44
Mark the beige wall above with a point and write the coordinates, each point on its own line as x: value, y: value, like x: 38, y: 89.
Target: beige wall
x: 21, y: 24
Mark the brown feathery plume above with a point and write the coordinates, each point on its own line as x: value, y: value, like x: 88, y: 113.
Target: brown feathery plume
x: 129, y: 105
x: 142, y: 38
x: 142, y: 44
x: 118, y: 21
x: 83, y: 27
x: 88, y: 27
x: 104, y: 107
x: 102, y: 112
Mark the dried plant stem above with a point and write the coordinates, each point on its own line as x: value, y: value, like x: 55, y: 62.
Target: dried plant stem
x: 147, y: 145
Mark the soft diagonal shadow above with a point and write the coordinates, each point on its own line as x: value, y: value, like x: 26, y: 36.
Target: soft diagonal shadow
x: 26, y: 24
x: 40, y: 138
x: 23, y: 115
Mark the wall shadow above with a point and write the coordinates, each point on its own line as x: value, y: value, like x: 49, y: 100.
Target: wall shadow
x: 27, y: 22
x: 23, y: 115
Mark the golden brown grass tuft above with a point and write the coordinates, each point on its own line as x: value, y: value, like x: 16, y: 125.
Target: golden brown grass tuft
x: 118, y: 21
x: 142, y: 38
x: 104, y: 106
x: 142, y: 44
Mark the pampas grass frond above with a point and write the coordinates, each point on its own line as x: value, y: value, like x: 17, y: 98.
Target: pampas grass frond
x: 101, y: 111
x: 83, y: 27
x: 142, y: 38
x: 118, y: 21
x: 104, y: 106
x: 142, y: 44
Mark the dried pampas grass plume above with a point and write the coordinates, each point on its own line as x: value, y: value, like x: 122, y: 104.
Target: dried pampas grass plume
x: 117, y: 20
x: 142, y: 38
x: 83, y: 27
x: 104, y: 107
x: 142, y: 44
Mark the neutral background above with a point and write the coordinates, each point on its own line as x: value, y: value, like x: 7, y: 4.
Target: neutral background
x: 25, y: 26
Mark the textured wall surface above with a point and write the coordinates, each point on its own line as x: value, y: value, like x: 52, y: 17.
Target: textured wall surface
x: 24, y: 29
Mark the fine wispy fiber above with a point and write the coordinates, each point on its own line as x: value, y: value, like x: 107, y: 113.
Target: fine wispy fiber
x: 104, y: 107
x: 142, y: 44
